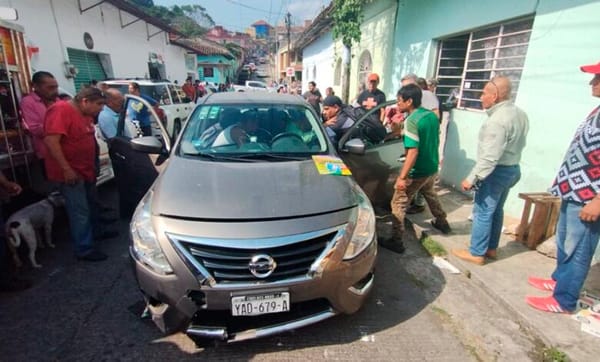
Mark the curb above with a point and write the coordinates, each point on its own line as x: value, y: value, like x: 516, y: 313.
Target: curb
x: 523, y: 321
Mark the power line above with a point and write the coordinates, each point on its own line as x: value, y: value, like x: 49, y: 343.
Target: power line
x: 250, y: 7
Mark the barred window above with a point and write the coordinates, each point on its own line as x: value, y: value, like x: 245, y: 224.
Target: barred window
x: 466, y: 62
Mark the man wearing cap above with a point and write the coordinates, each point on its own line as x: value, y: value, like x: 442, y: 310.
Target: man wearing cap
x: 313, y: 96
x: 578, y: 185
x: 337, y: 122
x: 372, y: 96
x: 501, y: 141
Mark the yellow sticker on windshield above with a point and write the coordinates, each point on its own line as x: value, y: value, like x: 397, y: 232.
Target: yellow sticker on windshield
x: 329, y: 165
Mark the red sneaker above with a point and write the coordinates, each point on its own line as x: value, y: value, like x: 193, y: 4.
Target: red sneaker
x: 542, y: 284
x: 546, y: 304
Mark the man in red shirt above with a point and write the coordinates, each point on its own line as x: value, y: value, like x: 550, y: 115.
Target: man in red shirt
x: 188, y: 89
x: 69, y: 128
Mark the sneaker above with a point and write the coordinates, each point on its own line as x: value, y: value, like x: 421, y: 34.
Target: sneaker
x: 415, y: 209
x: 546, y: 304
x: 93, y: 255
x: 542, y: 284
x: 394, y: 244
x: 441, y: 226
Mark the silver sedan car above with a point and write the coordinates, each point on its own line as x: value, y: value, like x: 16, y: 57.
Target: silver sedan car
x: 253, y: 225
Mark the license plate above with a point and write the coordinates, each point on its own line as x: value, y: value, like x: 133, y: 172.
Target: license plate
x: 248, y: 305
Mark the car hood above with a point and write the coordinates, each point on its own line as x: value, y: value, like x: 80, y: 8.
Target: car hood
x: 208, y: 190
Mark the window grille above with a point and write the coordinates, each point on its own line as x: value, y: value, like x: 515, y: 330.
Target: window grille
x: 466, y: 62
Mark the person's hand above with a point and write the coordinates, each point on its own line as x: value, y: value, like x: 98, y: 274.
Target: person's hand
x: 401, y: 184
x: 71, y: 177
x: 591, y: 211
x: 329, y: 122
x: 466, y: 185
x: 12, y: 188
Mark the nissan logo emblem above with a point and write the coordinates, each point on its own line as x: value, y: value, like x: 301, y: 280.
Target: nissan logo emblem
x: 262, y: 265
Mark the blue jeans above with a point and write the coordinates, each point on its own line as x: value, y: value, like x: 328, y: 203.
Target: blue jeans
x: 488, y: 211
x: 79, y: 202
x: 576, y: 242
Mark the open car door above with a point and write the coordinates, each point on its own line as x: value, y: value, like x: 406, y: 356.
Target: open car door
x: 374, y: 165
x: 136, y: 160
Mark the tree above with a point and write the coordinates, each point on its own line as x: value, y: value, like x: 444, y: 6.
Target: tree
x: 347, y: 17
x: 190, y: 20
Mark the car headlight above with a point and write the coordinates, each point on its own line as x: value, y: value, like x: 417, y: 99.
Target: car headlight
x: 361, y: 227
x: 144, y: 241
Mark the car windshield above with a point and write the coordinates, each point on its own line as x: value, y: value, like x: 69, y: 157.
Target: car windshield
x: 269, y: 130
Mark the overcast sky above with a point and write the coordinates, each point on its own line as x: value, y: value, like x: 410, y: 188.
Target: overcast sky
x: 238, y: 15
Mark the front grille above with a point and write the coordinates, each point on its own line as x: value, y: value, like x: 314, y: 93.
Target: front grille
x: 231, y: 264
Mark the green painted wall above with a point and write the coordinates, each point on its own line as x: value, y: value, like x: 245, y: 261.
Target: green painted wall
x: 553, y: 91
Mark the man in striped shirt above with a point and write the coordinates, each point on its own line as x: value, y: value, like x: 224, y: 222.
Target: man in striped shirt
x: 578, y: 185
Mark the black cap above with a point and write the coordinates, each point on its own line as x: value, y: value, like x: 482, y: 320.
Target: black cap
x: 332, y: 101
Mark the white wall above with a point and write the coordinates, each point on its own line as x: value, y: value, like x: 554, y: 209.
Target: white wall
x: 319, y: 54
x: 128, y: 48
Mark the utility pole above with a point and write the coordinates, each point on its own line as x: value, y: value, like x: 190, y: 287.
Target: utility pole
x: 288, y: 25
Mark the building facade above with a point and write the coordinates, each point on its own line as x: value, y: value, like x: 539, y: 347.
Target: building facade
x: 78, y: 41
x: 538, y: 44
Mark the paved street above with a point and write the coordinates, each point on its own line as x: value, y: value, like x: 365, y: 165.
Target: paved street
x: 91, y: 311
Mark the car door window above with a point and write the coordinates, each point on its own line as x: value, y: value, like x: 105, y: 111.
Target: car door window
x: 376, y: 169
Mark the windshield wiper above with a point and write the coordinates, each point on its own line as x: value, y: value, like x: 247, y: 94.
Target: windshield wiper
x: 218, y: 157
x: 276, y: 156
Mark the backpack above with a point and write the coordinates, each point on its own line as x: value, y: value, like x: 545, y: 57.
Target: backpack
x: 371, y: 129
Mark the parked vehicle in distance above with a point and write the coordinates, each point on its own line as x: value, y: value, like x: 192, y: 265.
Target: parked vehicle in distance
x: 254, y: 85
x: 171, y: 99
x: 281, y: 241
x: 262, y: 73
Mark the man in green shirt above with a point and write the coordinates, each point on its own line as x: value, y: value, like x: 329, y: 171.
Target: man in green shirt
x: 421, y: 141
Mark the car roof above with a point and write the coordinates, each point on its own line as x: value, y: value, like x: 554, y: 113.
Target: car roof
x: 138, y: 81
x: 254, y: 98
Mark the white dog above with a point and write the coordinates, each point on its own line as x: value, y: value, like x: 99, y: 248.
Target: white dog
x: 22, y: 225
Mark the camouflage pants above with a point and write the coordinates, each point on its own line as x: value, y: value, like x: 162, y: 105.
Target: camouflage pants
x: 402, y: 199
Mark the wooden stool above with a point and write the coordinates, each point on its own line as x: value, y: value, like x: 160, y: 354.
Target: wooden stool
x: 543, y: 221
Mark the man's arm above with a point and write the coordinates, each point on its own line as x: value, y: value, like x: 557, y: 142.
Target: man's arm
x: 492, y: 145
x: 11, y: 188
x: 52, y: 141
x: 591, y: 211
x: 409, y: 163
x: 33, y: 122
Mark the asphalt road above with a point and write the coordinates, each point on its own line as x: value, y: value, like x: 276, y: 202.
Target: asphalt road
x: 91, y: 311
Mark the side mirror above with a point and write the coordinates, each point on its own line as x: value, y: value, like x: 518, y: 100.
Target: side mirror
x: 148, y: 144
x: 355, y: 146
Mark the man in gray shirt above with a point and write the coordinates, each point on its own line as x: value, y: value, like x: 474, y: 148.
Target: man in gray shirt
x: 501, y: 141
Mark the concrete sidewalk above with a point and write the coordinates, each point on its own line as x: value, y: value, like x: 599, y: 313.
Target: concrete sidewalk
x: 506, y: 278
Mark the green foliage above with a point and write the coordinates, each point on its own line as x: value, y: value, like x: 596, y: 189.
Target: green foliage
x: 555, y: 355
x: 347, y: 17
x: 234, y: 49
x: 190, y: 20
x: 433, y: 247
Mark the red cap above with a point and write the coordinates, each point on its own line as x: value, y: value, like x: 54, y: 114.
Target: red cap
x: 592, y: 68
x: 373, y: 77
